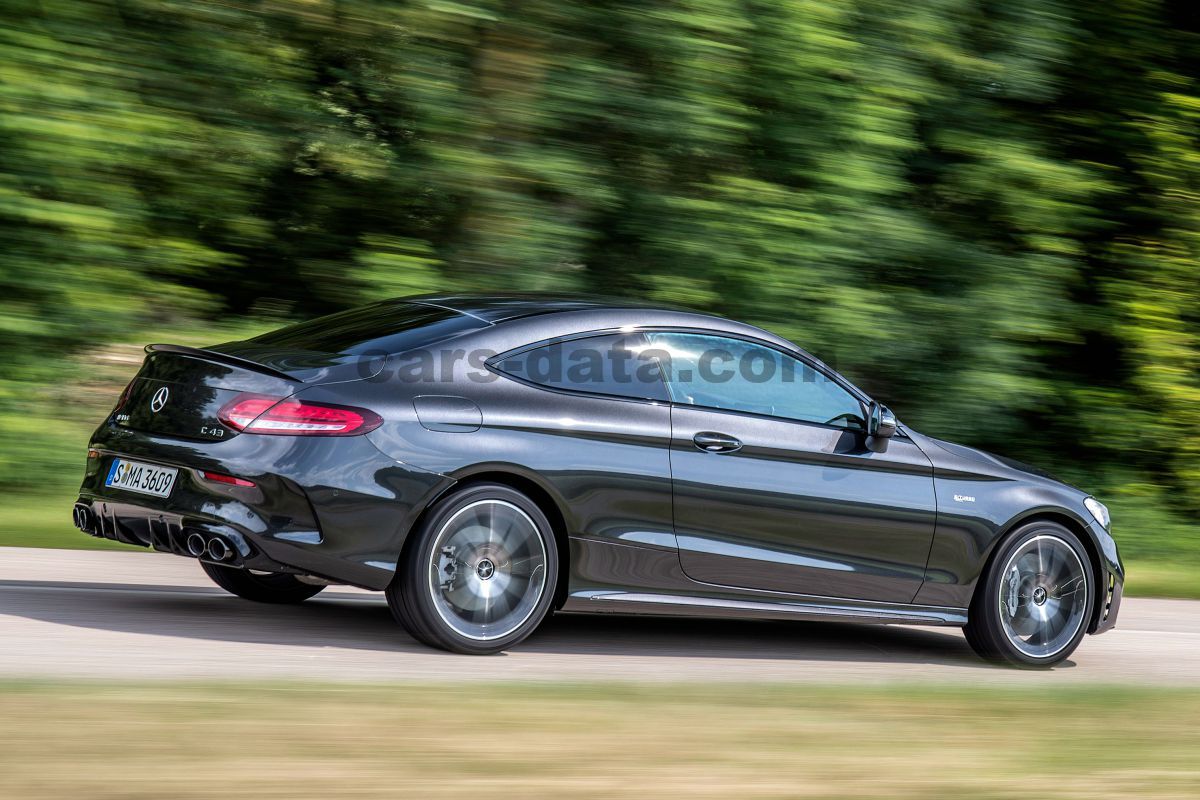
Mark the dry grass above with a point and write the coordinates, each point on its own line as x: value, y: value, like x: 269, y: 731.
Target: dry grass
x: 593, y: 741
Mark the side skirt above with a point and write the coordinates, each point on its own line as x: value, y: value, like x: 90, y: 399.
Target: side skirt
x: 601, y: 601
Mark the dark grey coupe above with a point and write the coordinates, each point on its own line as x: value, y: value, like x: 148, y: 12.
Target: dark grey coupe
x: 486, y: 460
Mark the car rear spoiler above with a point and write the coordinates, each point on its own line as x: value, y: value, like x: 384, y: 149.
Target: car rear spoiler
x: 221, y: 358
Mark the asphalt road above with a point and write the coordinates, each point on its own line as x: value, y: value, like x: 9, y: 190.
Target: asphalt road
x: 113, y: 616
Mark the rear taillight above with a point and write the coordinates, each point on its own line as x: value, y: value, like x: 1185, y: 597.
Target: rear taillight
x: 124, y: 398
x: 241, y: 412
x: 287, y: 416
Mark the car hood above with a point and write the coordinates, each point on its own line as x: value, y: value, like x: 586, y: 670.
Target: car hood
x: 975, y: 454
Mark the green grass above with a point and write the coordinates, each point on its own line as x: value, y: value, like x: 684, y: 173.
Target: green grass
x: 1162, y: 579
x: 592, y: 741
x: 46, y: 522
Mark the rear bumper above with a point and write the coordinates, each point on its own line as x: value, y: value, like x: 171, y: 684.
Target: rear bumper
x: 170, y: 533
x: 248, y: 519
x: 332, y: 507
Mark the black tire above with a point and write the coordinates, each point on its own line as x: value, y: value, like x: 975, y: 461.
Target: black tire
x: 1005, y: 587
x: 526, y: 560
x: 276, y: 587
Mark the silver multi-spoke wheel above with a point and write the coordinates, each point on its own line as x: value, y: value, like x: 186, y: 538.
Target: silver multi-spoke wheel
x: 1043, y: 596
x: 487, y: 570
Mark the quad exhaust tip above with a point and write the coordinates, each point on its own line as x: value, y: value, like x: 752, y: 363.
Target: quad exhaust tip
x: 84, y: 519
x: 218, y: 550
x: 213, y: 548
x: 196, y: 545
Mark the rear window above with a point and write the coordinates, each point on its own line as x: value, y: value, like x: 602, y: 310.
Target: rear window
x: 613, y: 364
x: 392, y: 326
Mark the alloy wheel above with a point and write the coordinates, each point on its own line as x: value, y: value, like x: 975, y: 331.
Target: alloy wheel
x: 487, y: 570
x: 1043, y: 596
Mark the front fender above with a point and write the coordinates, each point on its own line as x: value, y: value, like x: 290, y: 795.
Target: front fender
x: 976, y: 513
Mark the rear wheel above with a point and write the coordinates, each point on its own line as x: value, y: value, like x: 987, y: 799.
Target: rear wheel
x: 261, y: 587
x: 479, y: 575
x: 1033, y: 605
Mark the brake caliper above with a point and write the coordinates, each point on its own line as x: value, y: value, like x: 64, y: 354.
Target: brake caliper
x: 1014, y: 586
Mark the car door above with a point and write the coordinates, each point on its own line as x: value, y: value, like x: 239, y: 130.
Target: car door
x: 774, y: 485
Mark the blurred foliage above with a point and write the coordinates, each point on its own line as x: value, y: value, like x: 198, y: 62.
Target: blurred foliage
x: 985, y: 213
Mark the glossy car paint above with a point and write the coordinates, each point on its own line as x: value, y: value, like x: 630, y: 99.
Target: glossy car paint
x: 804, y: 521
x: 980, y: 498
x: 831, y: 517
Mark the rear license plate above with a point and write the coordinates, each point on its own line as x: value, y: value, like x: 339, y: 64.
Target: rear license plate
x: 134, y: 476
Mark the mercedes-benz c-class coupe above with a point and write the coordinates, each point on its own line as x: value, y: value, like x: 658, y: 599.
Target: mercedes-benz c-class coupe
x: 485, y: 461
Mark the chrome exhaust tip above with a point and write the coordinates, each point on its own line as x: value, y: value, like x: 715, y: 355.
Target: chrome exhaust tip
x: 82, y: 516
x: 196, y: 545
x: 218, y: 550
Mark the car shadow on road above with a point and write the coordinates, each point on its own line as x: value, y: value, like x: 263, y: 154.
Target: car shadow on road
x: 666, y: 637
x: 363, y: 622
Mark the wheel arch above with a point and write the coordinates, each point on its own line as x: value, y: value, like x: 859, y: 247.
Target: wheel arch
x: 1075, y: 526
x: 527, y: 483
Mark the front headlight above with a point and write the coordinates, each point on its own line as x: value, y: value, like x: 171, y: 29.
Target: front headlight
x: 1099, y: 511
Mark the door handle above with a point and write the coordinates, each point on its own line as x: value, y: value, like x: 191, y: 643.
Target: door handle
x: 712, y: 442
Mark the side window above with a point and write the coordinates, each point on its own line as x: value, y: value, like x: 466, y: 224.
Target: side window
x: 612, y: 364
x: 724, y: 373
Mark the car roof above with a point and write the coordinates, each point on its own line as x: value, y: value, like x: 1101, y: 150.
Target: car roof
x: 558, y: 315
x: 525, y: 318
x: 495, y: 308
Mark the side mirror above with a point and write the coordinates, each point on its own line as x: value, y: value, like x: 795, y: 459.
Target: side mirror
x: 881, y: 423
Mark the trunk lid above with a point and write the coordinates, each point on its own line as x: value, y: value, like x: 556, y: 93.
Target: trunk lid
x: 179, y: 392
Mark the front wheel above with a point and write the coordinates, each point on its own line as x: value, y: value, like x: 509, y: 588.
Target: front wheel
x: 1033, y: 605
x: 261, y: 587
x: 479, y: 575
